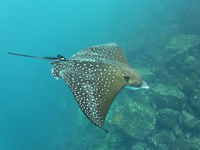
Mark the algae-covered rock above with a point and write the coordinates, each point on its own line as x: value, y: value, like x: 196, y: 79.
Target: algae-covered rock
x: 183, y: 42
x: 178, y: 132
x: 160, y: 140
x: 180, y: 144
x: 194, y: 101
x: 184, y: 63
x: 166, y: 96
x: 187, y: 86
x: 195, y: 141
x: 168, y: 90
x: 134, y: 119
x: 167, y: 118
x: 139, y: 146
x: 189, y: 121
x: 180, y: 44
x: 163, y: 136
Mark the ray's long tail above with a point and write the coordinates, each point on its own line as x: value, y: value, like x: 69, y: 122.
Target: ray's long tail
x: 59, y: 57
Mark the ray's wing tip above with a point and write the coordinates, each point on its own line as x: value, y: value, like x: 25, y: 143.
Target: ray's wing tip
x: 105, y: 130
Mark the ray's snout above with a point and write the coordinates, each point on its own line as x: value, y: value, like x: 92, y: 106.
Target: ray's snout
x: 144, y: 85
x: 135, y: 81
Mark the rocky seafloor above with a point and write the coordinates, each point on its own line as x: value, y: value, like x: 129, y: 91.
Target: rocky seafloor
x: 164, y: 117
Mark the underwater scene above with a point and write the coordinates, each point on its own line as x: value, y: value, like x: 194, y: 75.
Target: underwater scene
x: 101, y: 75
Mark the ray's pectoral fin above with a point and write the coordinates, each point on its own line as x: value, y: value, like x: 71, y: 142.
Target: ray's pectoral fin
x: 94, y: 86
x: 95, y: 76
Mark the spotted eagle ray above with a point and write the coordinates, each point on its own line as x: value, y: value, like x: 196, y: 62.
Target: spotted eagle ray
x: 95, y: 76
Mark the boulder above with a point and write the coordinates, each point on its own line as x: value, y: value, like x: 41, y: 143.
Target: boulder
x: 180, y: 144
x: 161, y: 139
x: 189, y: 121
x: 134, y: 119
x: 194, y: 101
x: 166, y: 96
x: 167, y: 118
x: 139, y: 146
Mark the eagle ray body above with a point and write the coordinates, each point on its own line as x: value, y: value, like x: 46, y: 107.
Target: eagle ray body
x: 95, y: 75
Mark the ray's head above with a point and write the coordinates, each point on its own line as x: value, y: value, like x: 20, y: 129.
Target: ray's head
x: 132, y: 77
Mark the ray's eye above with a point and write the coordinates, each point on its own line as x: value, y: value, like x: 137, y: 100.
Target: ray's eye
x: 60, y: 57
x: 126, y: 78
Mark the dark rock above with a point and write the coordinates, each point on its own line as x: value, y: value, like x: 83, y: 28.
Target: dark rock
x: 189, y: 121
x: 186, y: 64
x: 194, y: 101
x: 178, y: 132
x: 161, y: 139
x: 186, y: 85
x: 165, y: 136
x: 167, y: 118
x: 181, y: 44
x: 134, y: 119
x: 166, y: 96
x: 180, y: 145
x: 195, y: 141
x: 139, y: 146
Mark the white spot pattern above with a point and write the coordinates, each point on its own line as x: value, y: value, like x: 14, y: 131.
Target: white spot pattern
x: 90, y: 75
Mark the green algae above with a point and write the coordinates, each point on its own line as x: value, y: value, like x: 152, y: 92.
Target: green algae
x: 166, y: 90
x: 132, y: 118
x: 183, y: 42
